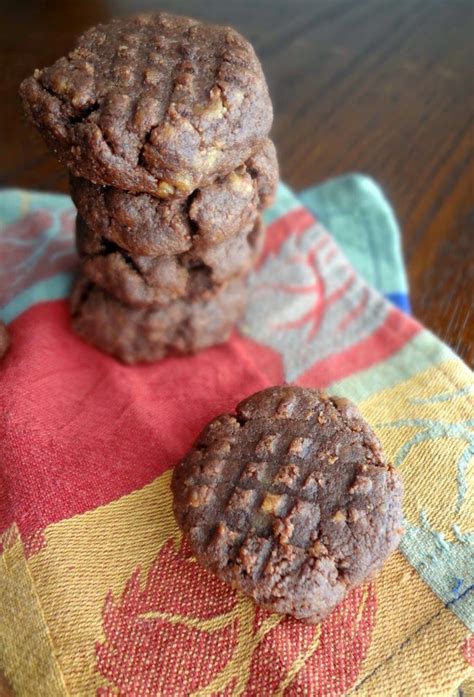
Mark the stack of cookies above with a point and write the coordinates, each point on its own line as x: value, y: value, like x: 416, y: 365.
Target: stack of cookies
x: 163, y: 123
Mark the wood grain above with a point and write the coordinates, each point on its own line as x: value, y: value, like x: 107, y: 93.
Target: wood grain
x: 375, y: 86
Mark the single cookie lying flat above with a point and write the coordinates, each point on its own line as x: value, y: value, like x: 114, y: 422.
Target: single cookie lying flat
x: 144, y: 335
x: 145, y: 281
x: 154, y: 103
x: 290, y: 500
x: 148, y: 226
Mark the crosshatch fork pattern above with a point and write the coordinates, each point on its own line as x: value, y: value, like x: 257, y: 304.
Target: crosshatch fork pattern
x: 155, y: 104
x: 292, y: 490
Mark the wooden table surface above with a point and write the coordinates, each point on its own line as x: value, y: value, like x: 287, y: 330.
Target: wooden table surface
x: 376, y: 86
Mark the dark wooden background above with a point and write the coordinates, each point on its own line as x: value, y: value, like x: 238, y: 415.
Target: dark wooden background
x: 384, y: 87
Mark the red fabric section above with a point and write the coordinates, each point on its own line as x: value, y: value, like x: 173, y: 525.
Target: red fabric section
x: 78, y: 429
x: 468, y: 650
x: 134, y: 654
x: 157, y: 657
x: 383, y: 343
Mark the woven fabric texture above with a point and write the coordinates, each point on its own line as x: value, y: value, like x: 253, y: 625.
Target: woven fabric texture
x: 99, y: 595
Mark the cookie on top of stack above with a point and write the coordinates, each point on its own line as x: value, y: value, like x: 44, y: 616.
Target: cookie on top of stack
x: 163, y: 122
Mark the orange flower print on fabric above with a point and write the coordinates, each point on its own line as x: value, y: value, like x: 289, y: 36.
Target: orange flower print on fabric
x: 308, y: 304
x: 322, y: 660
x: 181, y: 631
x: 170, y: 633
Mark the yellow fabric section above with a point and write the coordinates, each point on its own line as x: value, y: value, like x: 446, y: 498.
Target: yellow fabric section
x: 427, y: 665
x: 429, y: 469
x: 410, y: 615
x: 27, y: 651
x: 87, y: 556
x: 404, y: 604
x: 130, y: 532
x: 409, y: 618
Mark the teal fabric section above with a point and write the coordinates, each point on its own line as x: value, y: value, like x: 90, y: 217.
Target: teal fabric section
x: 447, y: 567
x: 35, y: 249
x: 15, y: 203
x: 374, y: 214
x: 354, y: 208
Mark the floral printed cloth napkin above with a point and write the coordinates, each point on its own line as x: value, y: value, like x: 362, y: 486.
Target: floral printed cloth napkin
x: 99, y: 595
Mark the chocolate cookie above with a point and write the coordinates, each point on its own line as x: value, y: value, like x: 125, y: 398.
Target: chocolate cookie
x: 154, y: 103
x: 136, y: 335
x: 4, y: 340
x: 290, y: 499
x: 263, y: 166
x: 145, y: 281
x: 147, y: 226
